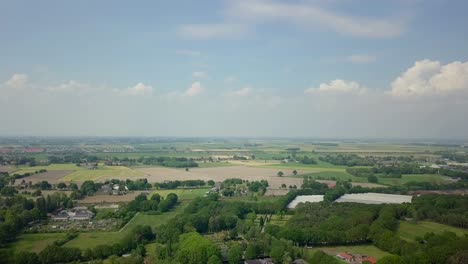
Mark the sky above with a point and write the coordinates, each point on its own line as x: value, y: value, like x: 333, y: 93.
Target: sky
x: 244, y: 68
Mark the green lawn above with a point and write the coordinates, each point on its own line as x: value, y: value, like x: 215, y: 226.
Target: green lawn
x: 154, y: 220
x: 409, y: 230
x: 36, y: 242
x: 433, y: 178
x: 368, y: 250
x: 183, y: 194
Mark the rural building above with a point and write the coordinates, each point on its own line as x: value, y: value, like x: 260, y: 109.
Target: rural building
x: 345, y: 256
x: 77, y: 213
x: 60, y: 216
x: 259, y: 261
x: 369, y: 259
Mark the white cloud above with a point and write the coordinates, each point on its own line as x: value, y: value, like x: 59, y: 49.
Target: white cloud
x: 189, y: 53
x: 209, y: 31
x: 241, y: 92
x: 230, y: 79
x: 428, y: 77
x: 194, y: 90
x: 70, y: 86
x: 139, y: 89
x: 17, y: 81
x: 337, y: 87
x: 309, y: 15
x: 199, y: 74
x: 361, y: 58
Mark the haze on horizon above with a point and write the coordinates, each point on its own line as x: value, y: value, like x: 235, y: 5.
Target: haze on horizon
x: 257, y: 68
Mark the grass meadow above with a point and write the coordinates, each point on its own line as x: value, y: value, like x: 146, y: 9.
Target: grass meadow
x: 409, y: 230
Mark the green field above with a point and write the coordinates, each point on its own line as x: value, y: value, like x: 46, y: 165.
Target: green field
x: 214, y: 164
x: 368, y: 250
x: 409, y: 231
x: 36, y: 242
x: 433, y: 178
x: 103, y: 171
x: 90, y: 240
x: 184, y: 194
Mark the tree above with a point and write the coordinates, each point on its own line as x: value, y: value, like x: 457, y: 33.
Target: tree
x: 372, y: 178
x: 25, y: 257
x: 195, y: 249
x: 211, y: 183
x: 280, y: 173
x: 61, y: 185
x: 252, y: 251
x: 214, y: 260
x: 73, y: 186
x: 294, y: 172
x: 235, y: 254
x: 283, y: 186
x: 322, y: 258
x: 459, y: 258
x: 277, y: 250
x: 391, y: 260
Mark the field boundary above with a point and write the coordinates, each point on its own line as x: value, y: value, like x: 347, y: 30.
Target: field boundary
x: 128, y: 222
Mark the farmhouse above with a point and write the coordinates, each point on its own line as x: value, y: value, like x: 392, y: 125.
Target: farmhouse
x: 345, y: 256
x: 77, y: 213
x: 369, y: 259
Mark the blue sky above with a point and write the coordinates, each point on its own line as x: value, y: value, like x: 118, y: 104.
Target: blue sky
x: 301, y: 63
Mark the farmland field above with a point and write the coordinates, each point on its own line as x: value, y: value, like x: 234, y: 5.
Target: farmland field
x: 334, y: 175
x: 6, y: 168
x: 36, y: 242
x: 410, y: 231
x: 51, y: 176
x: 433, y: 178
x: 103, y: 173
x: 68, y: 166
x: 160, y: 174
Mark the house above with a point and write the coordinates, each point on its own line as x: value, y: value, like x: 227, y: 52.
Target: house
x: 369, y: 259
x: 106, y: 189
x: 259, y: 261
x: 345, y: 256
x: 60, y: 216
x: 81, y: 215
x: 77, y: 213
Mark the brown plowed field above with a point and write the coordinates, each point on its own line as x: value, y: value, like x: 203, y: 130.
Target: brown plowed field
x: 52, y: 176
